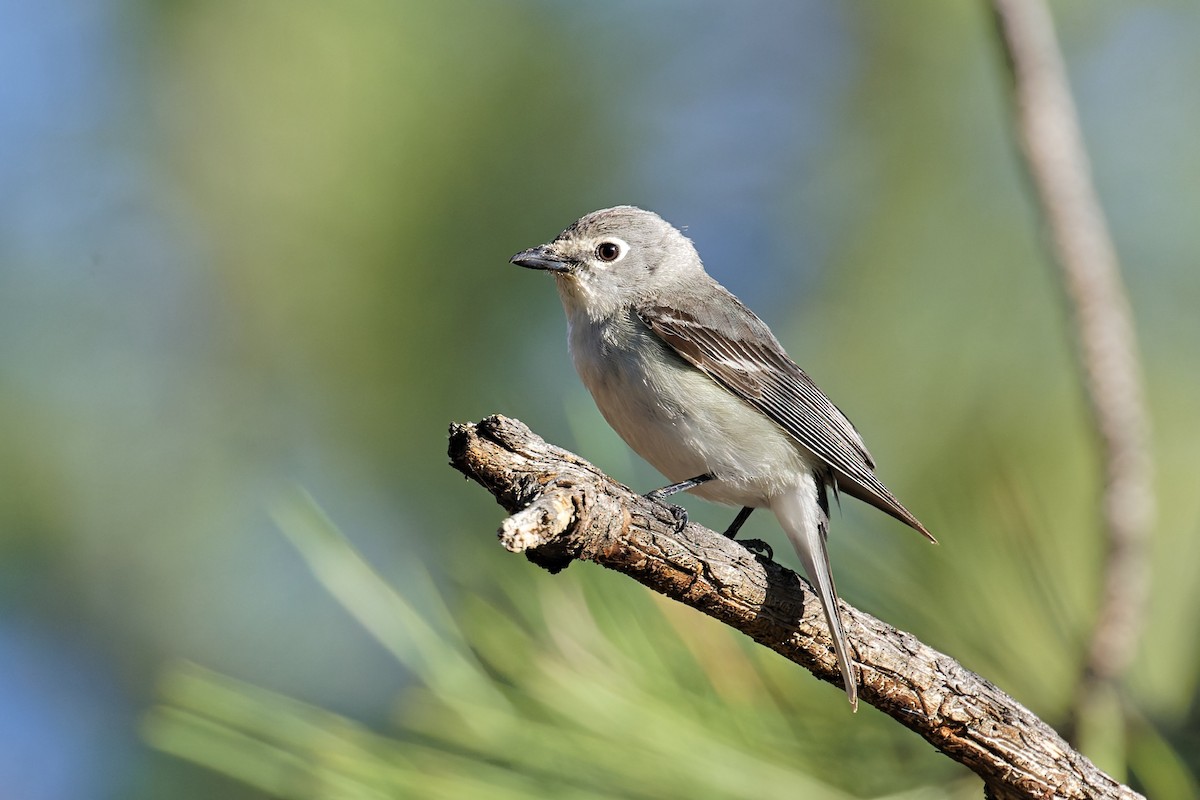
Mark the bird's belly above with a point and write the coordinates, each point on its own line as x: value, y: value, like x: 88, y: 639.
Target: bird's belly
x: 685, y: 424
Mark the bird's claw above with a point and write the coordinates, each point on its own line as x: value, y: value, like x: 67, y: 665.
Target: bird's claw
x: 758, y: 548
x: 680, y: 514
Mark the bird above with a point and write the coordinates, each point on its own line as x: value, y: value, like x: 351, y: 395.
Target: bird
x: 695, y: 383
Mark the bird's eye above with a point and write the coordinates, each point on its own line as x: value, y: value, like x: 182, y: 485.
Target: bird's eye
x: 608, y: 251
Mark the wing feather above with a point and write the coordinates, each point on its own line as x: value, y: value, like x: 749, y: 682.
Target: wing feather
x: 743, y: 356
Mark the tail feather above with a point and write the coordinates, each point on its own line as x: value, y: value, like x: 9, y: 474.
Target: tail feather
x: 884, y: 500
x: 805, y: 519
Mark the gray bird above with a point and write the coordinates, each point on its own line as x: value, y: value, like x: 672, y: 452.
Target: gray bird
x: 698, y: 386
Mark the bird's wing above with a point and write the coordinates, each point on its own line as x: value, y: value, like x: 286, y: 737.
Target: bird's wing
x: 738, y: 351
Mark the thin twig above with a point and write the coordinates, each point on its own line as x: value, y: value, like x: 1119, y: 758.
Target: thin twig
x: 564, y: 509
x: 1056, y: 158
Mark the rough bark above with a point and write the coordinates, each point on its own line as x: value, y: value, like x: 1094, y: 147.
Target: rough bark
x: 564, y: 509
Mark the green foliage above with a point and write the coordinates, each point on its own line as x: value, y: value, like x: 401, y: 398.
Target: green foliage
x: 568, y: 689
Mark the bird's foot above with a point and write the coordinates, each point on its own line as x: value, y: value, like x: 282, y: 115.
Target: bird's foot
x: 680, y: 514
x: 758, y: 548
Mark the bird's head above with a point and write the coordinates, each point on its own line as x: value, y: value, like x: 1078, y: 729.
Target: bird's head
x: 616, y: 257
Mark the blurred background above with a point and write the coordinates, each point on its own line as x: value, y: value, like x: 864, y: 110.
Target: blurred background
x: 254, y: 259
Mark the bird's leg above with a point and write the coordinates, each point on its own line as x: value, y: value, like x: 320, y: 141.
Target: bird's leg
x: 678, y: 512
x: 739, y: 521
x: 756, y: 546
x: 676, y: 488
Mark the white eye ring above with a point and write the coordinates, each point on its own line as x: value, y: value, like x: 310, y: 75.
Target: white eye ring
x: 611, y: 250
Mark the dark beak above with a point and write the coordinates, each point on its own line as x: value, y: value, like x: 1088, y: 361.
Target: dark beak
x: 541, y: 257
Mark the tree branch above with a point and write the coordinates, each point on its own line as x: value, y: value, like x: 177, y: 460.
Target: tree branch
x: 564, y: 509
x: 1056, y: 157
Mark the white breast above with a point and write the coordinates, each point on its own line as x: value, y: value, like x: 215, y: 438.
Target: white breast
x: 677, y: 418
